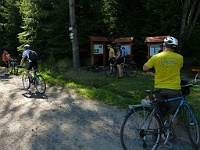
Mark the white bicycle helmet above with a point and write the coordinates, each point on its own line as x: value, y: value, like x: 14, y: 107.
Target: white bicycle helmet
x: 171, y: 42
x: 26, y: 46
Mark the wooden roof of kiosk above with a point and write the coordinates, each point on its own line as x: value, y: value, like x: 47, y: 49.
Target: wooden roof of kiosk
x: 97, y: 40
x: 153, y: 40
x: 124, y: 40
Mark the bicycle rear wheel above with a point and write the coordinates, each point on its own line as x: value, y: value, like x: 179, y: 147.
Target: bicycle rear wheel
x: 197, y: 78
x: 131, y: 70
x: 138, y: 130
x: 40, y: 84
x: 26, y: 81
x: 192, y: 126
x: 110, y: 71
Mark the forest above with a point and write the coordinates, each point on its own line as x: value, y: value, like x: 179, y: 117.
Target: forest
x: 44, y: 24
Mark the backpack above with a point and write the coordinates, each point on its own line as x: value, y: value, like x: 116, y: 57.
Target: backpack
x: 33, y: 56
x: 123, y: 52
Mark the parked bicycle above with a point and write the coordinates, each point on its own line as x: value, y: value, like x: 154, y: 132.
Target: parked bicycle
x: 197, y: 78
x: 13, y: 67
x: 131, y: 69
x: 37, y: 80
x: 144, y: 126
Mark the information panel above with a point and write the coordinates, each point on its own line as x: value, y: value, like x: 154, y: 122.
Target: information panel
x: 98, y: 48
x: 154, y: 49
x: 127, y: 49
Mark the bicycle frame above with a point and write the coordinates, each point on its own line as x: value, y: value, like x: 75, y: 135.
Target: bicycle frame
x: 157, y: 111
x: 178, y: 108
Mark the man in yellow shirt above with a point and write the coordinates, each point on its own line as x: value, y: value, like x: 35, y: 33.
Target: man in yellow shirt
x: 111, y: 53
x: 111, y: 56
x: 167, y: 82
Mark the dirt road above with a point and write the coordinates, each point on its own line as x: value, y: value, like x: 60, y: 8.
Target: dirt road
x: 59, y: 120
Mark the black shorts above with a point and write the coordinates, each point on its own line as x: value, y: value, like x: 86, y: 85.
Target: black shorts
x: 120, y: 60
x: 32, y: 65
x: 168, y: 107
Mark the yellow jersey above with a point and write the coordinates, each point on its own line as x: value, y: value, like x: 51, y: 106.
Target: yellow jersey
x: 111, y: 53
x: 167, y: 66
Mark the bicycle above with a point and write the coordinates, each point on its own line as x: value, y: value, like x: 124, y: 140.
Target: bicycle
x: 131, y: 69
x: 139, y: 128
x: 37, y: 80
x: 13, y: 67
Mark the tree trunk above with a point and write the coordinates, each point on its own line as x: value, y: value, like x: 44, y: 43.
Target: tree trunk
x: 184, y: 16
x: 195, y: 20
x: 188, y: 21
x: 75, y: 49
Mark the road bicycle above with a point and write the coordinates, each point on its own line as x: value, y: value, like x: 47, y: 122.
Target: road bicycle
x: 36, y: 79
x: 144, y: 126
x: 13, y: 67
x: 131, y: 69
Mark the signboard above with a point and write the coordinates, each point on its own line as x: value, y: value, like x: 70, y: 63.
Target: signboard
x: 127, y: 49
x: 154, y: 49
x: 98, y: 48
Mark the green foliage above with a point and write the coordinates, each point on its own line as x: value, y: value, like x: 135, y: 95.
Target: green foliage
x: 44, y: 24
x: 10, y: 22
x: 43, y: 29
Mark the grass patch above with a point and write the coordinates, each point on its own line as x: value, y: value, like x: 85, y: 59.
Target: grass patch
x: 111, y: 91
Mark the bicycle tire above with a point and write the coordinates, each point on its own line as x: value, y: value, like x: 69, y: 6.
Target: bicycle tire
x: 138, y: 123
x: 110, y: 72
x: 40, y: 84
x: 192, y: 125
x: 197, y: 78
x: 131, y: 70
x: 26, y: 81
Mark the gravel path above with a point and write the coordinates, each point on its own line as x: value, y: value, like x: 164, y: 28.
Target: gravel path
x: 59, y: 120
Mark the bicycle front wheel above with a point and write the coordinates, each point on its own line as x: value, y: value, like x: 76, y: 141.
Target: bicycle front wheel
x: 26, y: 81
x: 140, y: 129
x: 132, y: 70
x: 192, y: 125
x: 110, y: 71
x: 40, y: 84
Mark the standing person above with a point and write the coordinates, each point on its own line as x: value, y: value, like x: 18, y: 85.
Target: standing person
x: 5, y: 60
x: 111, y: 57
x: 119, y: 60
x: 32, y: 63
x: 167, y: 76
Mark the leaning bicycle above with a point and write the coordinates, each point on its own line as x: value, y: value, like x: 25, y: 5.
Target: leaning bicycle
x: 36, y: 79
x: 131, y: 69
x: 144, y: 126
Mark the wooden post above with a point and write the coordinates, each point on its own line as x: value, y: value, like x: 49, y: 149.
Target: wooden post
x: 75, y: 49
